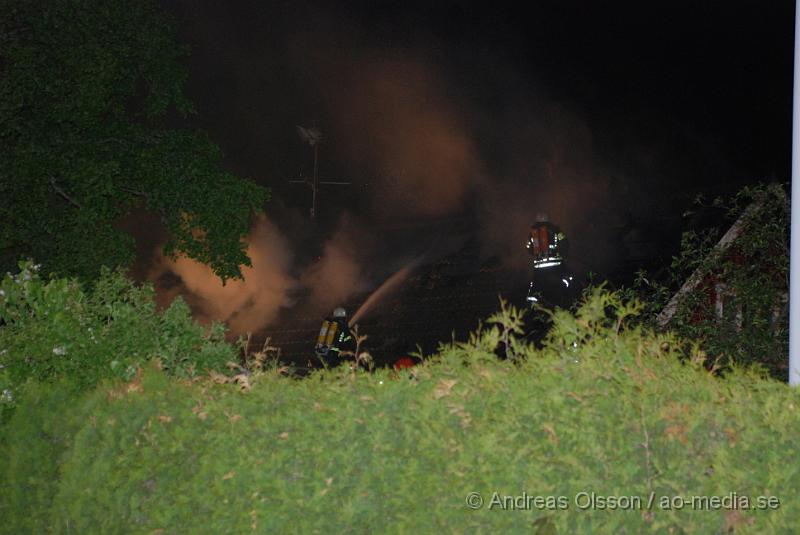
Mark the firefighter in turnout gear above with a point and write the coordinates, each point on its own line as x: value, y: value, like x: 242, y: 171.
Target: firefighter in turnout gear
x: 551, y: 281
x: 334, y: 338
x: 546, y: 243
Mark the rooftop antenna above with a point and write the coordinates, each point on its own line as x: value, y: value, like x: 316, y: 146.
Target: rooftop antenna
x: 312, y: 135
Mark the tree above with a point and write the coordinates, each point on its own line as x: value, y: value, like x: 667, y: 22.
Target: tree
x: 729, y: 284
x: 87, y: 90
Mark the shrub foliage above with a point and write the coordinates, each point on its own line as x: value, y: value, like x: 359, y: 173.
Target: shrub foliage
x: 55, y: 329
x: 604, y: 407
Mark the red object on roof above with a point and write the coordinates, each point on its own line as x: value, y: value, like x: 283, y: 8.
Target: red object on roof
x: 403, y: 362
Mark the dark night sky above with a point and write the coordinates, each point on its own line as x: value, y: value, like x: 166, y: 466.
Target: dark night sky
x: 611, y: 116
x: 655, y: 74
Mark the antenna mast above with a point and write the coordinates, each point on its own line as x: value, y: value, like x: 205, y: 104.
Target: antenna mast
x: 313, y: 136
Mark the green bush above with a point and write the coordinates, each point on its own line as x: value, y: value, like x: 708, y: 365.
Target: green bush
x: 754, y: 329
x: 603, y: 407
x: 44, y: 428
x: 56, y: 329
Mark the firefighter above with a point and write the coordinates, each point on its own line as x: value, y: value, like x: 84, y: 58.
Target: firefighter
x: 552, y: 282
x: 545, y: 243
x: 334, y: 339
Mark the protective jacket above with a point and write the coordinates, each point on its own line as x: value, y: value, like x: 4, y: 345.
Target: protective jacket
x: 334, y: 338
x: 546, y: 245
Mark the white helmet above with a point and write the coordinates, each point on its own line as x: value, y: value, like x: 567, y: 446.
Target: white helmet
x: 339, y: 312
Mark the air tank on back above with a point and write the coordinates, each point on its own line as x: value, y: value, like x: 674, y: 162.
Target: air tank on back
x: 552, y: 283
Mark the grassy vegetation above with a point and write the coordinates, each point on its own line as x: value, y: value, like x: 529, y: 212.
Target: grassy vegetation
x: 601, y: 408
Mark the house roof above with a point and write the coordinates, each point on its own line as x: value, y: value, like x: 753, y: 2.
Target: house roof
x: 722, y: 245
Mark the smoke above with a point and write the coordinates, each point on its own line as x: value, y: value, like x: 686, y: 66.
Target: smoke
x: 405, y: 117
x: 338, y: 274
x: 254, y: 302
x: 394, y: 116
x: 546, y: 164
x: 420, y: 134
x: 245, y: 305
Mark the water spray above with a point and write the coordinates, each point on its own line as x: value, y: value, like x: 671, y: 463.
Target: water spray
x: 384, y: 289
x: 392, y: 282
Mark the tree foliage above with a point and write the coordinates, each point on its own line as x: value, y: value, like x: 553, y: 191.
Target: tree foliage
x: 87, y: 94
x: 749, y: 279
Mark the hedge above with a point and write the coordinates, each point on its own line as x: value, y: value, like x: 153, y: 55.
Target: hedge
x: 628, y: 416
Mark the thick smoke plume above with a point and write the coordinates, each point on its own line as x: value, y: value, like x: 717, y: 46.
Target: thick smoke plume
x: 395, y: 117
x: 420, y: 137
x: 338, y: 274
x: 254, y: 302
x: 399, y: 117
x: 245, y: 305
